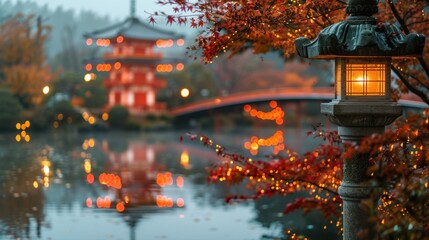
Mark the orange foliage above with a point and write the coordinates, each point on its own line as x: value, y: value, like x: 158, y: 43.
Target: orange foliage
x: 22, y: 58
x: 234, y: 26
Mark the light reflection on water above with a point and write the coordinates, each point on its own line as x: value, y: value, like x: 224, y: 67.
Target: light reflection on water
x: 131, y: 186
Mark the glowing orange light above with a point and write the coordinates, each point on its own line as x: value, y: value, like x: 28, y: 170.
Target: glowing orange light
x: 180, y: 42
x: 254, y: 146
x: 159, y: 68
x: 273, y: 104
x: 120, y: 207
x: 247, y: 108
x: 46, y: 167
x: 107, y: 202
x: 89, y: 202
x: 159, y: 43
x: 164, y: 179
x: 105, y: 116
x: 90, y: 178
x: 117, y: 65
x: 169, y: 67
x: 110, y: 180
x: 91, y: 120
x: 180, y: 202
x: 119, y: 39
x: 253, y: 113
x: 170, y: 42
x: 180, y: 181
x: 184, y: 159
x: 163, y: 201
x: 279, y: 121
x: 88, y: 41
x: 99, y: 202
x: 180, y: 66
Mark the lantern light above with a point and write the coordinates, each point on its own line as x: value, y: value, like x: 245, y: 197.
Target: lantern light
x: 45, y: 90
x: 358, y: 78
x: 184, y: 92
x: 87, y: 77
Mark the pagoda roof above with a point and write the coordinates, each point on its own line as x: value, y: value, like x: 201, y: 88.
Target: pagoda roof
x: 133, y: 28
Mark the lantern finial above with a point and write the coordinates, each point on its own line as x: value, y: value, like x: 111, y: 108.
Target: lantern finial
x: 362, y: 7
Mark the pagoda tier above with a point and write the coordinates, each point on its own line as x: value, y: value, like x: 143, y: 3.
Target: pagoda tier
x: 132, y: 28
x: 132, y: 62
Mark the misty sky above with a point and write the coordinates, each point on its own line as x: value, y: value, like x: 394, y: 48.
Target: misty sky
x: 116, y: 9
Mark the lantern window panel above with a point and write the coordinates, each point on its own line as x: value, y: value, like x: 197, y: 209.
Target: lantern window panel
x: 365, y: 79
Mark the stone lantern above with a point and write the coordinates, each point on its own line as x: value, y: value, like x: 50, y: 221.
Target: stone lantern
x: 362, y: 50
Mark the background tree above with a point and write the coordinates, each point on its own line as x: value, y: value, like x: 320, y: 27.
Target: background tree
x: 22, y: 60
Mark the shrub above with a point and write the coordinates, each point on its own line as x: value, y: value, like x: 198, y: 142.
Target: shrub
x: 62, y: 111
x: 132, y: 126
x: 118, y: 116
x: 10, y: 110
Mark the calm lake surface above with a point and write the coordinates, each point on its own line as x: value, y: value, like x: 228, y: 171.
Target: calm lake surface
x: 118, y: 185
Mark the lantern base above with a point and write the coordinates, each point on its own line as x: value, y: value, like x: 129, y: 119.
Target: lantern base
x: 361, y: 114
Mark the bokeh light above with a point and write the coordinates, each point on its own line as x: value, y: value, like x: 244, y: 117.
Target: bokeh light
x: 184, y: 92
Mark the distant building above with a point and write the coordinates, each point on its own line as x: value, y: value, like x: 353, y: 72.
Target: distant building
x: 132, y: 63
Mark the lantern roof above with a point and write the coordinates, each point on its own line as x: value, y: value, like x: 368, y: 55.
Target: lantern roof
x: 360, y: 36
x: 133, y: 28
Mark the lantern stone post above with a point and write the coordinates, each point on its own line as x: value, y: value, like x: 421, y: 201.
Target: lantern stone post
x: 362, y: 50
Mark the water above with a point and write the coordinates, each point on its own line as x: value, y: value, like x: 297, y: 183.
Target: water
x: 51, y: 189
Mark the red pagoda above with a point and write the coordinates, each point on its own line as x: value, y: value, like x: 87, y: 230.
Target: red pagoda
x: 131, y: 62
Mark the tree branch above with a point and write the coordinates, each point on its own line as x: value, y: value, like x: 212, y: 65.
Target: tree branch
x: 413, y: 89
x: 407, y: 31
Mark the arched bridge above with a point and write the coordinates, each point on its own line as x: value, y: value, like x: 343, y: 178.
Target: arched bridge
x: 289, y: 94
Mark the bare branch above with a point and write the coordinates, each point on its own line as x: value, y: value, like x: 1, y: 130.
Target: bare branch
x: 413, y: 89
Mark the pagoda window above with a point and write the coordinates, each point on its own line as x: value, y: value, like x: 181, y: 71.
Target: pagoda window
x: 112, y: 98
x: 130, y: 156
x: 150, y: 154
x: 124, y: 76
x: 129, y: 50
x: 150, y: 76
x: 124, y: 98
x: 113, y: 75
x: 148, y: 51
x: 150, y: 99
x: 131, y: 76
x: 130, y: 98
